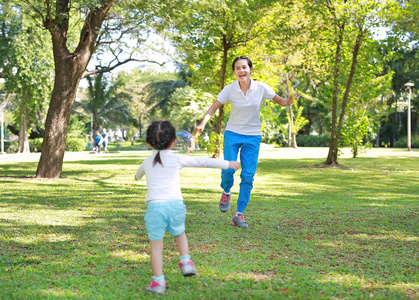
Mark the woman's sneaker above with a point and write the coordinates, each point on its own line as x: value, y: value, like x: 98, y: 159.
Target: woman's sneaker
x: 225, y: 202
x: 187, y: 269
x: 238, y: 220
x: 156, y: 287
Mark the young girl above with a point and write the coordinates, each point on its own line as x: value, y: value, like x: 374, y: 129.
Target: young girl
x: 166, y: 210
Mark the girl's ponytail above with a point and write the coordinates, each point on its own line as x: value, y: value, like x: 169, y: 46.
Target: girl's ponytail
x: 157, y: 159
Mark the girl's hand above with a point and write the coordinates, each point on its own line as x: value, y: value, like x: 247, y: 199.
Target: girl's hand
x: 233, y: 165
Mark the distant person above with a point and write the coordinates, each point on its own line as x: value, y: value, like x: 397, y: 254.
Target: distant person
x: 243, y: 132
x: 105, y: 137
x: 206, y: 137
x: 166, y: 210
x: 98, y: 142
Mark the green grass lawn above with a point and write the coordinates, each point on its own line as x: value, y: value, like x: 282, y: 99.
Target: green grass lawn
x: 314, y: 233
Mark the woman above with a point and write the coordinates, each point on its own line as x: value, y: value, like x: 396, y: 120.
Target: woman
x: 243, y: 131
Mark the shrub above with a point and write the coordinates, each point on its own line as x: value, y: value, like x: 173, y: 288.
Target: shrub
x: 35, y: 145
x: 278, y: 138
x: 402, y: 142
x: 313, y: 140
x: 211, y: 144
x: 11, y: 147
x: 75, y: 144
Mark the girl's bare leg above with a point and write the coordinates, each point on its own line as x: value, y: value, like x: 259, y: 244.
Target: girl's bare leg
x: 182, y: 244
x: 157, y: 257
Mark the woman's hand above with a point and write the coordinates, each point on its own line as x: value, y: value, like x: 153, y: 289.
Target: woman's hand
x: 198, y: 130
x: 289, y: 100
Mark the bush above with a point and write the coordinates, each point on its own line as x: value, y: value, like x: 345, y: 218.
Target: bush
x: 75, y: 144
x: 402, y: 142
x: 11, y: 147
x: 278, y: 138
x: 35, y: 145
x: 313, y: 140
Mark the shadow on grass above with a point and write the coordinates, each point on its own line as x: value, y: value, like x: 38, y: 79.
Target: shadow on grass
x: 314, y: 234
x: 299, y: 258
x: 18, y: 170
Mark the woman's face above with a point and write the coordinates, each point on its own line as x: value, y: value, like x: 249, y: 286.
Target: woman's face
x: 242, y: 70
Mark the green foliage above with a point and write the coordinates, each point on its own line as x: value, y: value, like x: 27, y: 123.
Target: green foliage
x: 26, y: 64
x: 305, y: 140
x: 271, y: 116
x: 188, y: 106
x: 160, y: 94
x: 131, y: 132
x: 148, y: 95
x: 76, y: 127
x: 76, y: 137
x: 75, y: 144
x: 211, y: 145
x: 354, y: 132
x: 11, y: 146
x: 298, y: 122
x: 402, y: 142
x: 209, y: 29
x: 102, y: 104
x: 35, y: 145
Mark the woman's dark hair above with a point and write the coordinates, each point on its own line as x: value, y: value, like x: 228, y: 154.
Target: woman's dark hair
x: 249, y: 62
x: 160, y: 135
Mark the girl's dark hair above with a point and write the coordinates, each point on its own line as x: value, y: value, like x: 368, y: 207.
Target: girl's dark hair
x: 160, y: 135
x: 249, y: 62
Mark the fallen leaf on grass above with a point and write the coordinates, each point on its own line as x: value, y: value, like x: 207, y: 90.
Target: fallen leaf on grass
x: 283, y: 291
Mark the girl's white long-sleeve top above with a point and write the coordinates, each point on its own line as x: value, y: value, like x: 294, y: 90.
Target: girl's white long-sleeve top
x: 163, y: 181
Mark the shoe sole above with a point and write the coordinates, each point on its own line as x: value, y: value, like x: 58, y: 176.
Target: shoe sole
x: 223, y: 211
x: 159, y: 290
x: 190, y: 271
x: 234, y: 224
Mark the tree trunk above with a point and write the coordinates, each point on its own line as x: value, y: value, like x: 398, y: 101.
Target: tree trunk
x: 69, y: 69
x: 338, y: 131
x: 61, y: 105
x: 23, y: 132
x: 377, y: 140
x: 217, y: 152
x: 293, y: 142
x: 355, y: 152
x: 332, y: 157
x: 345, y: 100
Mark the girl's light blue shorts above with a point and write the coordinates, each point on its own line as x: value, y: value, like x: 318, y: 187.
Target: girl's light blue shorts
x: 162, y: 216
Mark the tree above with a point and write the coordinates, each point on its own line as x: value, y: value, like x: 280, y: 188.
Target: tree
x: 101, y: 104
x: 295, y: 122
x: 60, y: 18
x: 147, y: 93
x: 187, y: 103
x: 26, y: 63
x: 347, y: 27
x: 209, y: 32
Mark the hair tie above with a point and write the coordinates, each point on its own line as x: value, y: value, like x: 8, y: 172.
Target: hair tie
x: 158, y: 150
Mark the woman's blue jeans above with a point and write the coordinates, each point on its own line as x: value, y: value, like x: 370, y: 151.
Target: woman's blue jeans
x: 249, y: 146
